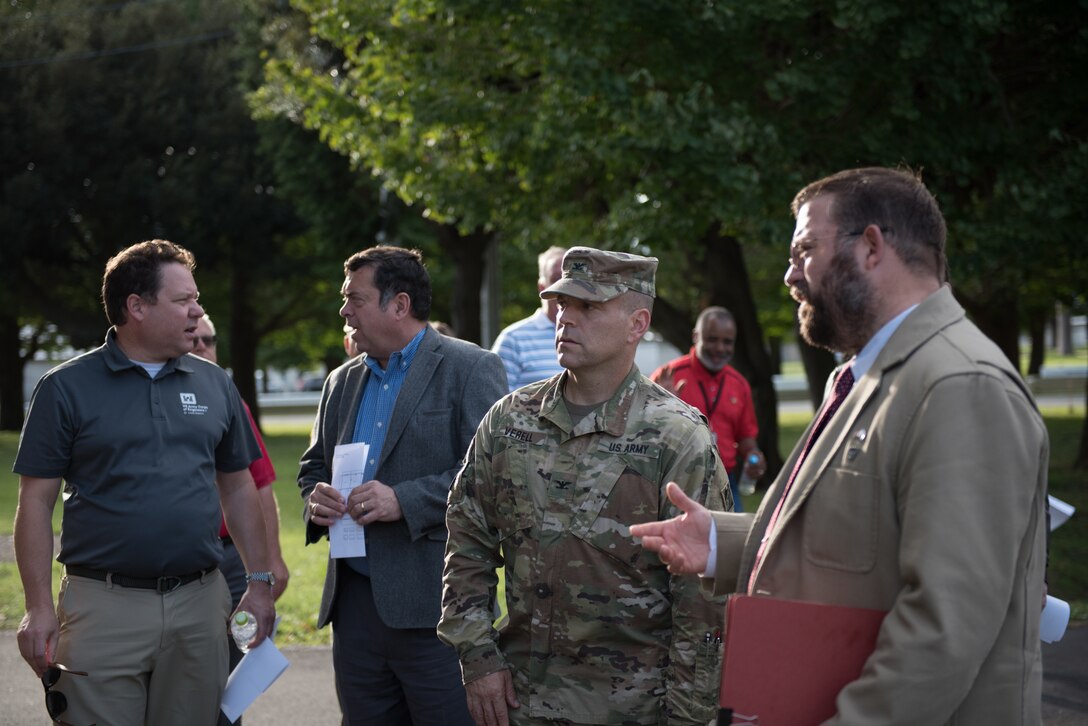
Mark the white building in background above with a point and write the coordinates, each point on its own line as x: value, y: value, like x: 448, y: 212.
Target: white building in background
x: 654, y: 351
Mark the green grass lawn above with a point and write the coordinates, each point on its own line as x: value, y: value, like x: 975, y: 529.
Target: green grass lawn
x: 1068, y: 571
x: 298, y: 606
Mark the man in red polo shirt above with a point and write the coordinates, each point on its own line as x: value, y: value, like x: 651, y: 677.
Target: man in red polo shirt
x: 704, y: 379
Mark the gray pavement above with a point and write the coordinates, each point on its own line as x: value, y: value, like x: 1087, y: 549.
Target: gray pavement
x: 305, y: 695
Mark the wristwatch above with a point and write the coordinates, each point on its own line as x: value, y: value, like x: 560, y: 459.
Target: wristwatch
x: 261, y: 577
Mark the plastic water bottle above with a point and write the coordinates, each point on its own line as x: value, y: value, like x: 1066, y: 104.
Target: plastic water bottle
x: 747, y: 485
x: 243, y: 628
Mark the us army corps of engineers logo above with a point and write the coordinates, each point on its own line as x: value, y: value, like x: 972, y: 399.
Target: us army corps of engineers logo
x: 190, y: 407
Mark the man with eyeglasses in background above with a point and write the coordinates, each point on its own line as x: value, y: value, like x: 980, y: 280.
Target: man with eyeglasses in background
x: 205, y: 345
x: 527, y: 347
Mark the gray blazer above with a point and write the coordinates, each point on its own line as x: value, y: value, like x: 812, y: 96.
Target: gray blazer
x: 450, y: 386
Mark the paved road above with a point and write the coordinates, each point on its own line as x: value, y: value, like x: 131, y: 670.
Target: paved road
x: 304, y: 694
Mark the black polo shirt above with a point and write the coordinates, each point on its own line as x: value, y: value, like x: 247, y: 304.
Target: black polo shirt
x: 138, y: 457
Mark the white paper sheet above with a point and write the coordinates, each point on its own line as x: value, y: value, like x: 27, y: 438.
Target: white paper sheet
x: 257, y: 670
x: 346, y: 537
x: 1055, y: 619
x: 1059, y: 512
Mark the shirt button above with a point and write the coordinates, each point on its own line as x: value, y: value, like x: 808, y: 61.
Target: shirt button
x: 542, y: 590
x: 386, y: 387
x: 372, y: 462
x: 379, y: 424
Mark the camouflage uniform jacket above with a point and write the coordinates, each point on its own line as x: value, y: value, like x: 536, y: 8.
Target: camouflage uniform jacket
x: 598, y: 630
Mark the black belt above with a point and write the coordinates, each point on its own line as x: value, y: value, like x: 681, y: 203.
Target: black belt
x: 166, y: 583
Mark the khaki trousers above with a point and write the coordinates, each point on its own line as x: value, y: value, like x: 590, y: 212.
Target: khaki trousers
x: 151, y: 658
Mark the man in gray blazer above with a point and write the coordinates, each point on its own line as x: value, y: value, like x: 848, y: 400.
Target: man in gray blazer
x: 919, y: 489
x: 416, y: 397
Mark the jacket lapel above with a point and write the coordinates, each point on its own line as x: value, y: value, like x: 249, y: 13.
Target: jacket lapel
x: 415, y: 385
x: 932, y: 315
x: 830, y: 441
x: 352, y: 398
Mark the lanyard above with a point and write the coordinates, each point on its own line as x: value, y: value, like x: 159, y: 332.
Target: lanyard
x: 711, y: 405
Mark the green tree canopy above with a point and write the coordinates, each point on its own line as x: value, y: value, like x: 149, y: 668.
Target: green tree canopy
x: 126, y: 121
x: 683, y: 128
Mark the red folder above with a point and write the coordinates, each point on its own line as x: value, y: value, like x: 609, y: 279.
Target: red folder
x: 785, y: 661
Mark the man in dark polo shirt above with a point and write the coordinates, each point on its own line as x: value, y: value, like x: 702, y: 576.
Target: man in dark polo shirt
x: 141, y: 434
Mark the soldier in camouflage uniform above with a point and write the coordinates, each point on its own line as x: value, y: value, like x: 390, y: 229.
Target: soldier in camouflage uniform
x: 598, y: 632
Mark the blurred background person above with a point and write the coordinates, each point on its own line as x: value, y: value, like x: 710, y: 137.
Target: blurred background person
x: 205, y: 345
x: 527, y: 347
x: 704, y: 379
x: 444, y: 328
x: 351, y: 348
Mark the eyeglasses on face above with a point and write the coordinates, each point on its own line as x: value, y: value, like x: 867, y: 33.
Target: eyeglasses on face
x: 798, y: 250
x: 55, y: 702
x: 207, y: 340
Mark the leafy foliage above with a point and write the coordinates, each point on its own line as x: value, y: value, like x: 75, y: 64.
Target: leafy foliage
x: 681, y: 128
x: 640, y: 125
x: 126, y: 121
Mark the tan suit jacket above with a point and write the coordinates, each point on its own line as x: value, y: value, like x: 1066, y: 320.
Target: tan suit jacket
x: 925, y: 496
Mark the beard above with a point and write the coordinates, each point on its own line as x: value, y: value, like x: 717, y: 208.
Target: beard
x: 840, y: 316
x: 713, y: 365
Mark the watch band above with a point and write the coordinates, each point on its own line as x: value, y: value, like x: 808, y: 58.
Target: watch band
x: 261, y: 577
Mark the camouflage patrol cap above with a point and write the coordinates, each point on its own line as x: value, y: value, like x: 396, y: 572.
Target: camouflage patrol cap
x: 600, y: 275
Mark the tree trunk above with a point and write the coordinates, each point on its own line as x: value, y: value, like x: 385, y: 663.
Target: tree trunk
x: 1063, y: 330
x: 468, y: 254
x: 11, y: 375
x: 998, y: 318
x: 1081, y: 461
x: 243, y: 338
x: 672, y: 324
x: 728, y: 285
x: 1037, y: 330
x: 819, y: 363
x: 774, y: 343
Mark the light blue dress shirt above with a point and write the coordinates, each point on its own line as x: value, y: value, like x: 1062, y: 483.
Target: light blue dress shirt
x: 376, y: 410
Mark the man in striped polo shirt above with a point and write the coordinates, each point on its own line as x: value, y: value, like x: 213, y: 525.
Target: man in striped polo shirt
x: 527, y: 347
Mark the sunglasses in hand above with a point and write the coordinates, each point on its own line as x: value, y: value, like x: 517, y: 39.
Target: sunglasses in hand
x: 55, y: 702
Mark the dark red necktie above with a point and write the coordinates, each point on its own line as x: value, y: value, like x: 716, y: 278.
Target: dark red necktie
x: 843, y: 383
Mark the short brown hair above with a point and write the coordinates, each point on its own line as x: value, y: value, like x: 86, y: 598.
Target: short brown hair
x: 896, y: 201
x: 136, y: 270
